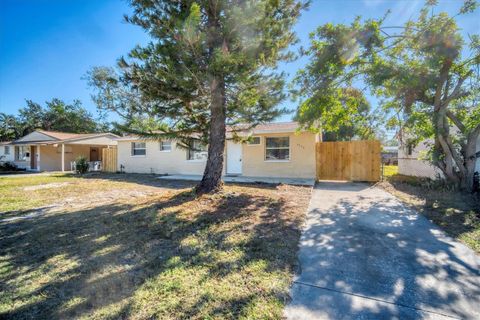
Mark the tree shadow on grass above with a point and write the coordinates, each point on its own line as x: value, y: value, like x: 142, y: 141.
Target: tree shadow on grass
x: 72, y: 264
x: 455, y: 211
x: 150, y: 180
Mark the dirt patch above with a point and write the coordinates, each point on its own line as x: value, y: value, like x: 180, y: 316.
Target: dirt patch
x: 46, y: 186
x: 103, y: 198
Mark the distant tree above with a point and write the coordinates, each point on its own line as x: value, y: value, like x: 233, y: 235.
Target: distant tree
x: 393, y: 142
x: 113, y: 95
x: 60, y: 116
x: 56, y: 116
x: 31, y: 117
x: 428, y: 87
x: 210, y: 63
x: 10, y: 127
x: 342, y: 115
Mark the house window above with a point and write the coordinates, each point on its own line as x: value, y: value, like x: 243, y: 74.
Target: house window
x: 21, y: 153
x: 165, y: 146
x: 409, y: 150
x: 139, y: 149
x: 277, y: 148
x: 198, y: 152
x: 253, y: 141
x: 6, y: 150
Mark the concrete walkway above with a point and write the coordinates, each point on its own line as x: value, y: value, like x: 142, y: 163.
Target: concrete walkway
x: 364, y: 255
x: 243, y: 179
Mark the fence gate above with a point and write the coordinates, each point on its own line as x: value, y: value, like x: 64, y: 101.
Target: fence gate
x: 349, y: 160
x: 109, y: 159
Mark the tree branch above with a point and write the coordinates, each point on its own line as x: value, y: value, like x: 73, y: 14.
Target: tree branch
x: 456, y: 121
x: 441, y: 82
x: 456, y: 92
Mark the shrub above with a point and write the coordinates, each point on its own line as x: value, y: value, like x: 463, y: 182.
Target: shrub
x: 8, y: 166
x: 81, y: 165
x: 438, y: 184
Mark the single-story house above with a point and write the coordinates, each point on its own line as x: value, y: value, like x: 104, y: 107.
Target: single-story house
x: 274, y: 150
x: 6, y: 152
x: 411, y: 160
x: 55, y: 151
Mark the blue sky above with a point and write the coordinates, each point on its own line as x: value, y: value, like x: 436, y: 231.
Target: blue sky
x: 47, y: 46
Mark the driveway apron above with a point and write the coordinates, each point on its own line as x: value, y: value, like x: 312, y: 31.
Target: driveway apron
x: 364, y: 255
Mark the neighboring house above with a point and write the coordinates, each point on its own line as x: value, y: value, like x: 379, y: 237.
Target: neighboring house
x: 6, y: 152
x: 275, y: 150
x: 390, y: 155
x: 411, y: 163
x: 55, y: 151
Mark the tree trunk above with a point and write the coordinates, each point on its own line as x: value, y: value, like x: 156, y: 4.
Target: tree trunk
x: 470, y: 159
x: 452, y: 165
x: 212, y: 176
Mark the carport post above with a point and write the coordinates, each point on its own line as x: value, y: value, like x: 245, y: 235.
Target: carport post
x: 63, y: 157
x: 38, y: 158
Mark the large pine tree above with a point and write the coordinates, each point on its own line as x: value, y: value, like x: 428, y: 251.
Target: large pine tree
x: 210, y: 63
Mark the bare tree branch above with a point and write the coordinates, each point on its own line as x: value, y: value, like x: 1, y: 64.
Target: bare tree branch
x: 456, y: 121
x: 458, y: 87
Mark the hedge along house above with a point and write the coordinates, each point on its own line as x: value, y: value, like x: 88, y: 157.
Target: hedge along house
x: 55, y: 151
x: 276, y: 150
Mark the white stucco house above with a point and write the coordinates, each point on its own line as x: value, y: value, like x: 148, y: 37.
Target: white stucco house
x: 6, y: 152
x: 411, y: 163
x: 275, y: 150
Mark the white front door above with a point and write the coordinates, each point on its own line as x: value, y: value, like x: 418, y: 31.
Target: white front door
x: 234, y: 158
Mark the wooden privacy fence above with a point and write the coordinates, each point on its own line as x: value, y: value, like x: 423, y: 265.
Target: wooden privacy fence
x: 109, y: 159
x: 349, y: 160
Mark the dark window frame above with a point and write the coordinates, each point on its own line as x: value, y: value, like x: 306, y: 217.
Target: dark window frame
x: 137, y: 151
x: 166, y: 143
x: 198, y: 148
x: 267, y: 148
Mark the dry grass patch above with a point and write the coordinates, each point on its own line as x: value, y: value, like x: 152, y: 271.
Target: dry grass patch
x: 456, y: 212
x: 166, y: 255
x: 23, y: 193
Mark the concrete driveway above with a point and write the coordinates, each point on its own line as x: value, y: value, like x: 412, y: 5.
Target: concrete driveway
x: 363, y: 255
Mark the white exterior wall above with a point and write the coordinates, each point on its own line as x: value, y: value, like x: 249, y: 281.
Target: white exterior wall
x: 412, y: 165
x: 301, y: 164
x: 156, y: 161
x: 7, y: 157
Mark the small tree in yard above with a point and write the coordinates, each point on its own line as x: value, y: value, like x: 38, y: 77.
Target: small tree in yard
x: 210, y: 64
x: 428, y: 85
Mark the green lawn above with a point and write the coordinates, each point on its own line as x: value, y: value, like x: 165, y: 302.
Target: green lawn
x: 132, y: 247
x: 389, y: 171
x: 458, y: 213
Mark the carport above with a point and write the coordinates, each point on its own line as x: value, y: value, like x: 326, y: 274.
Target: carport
x: 56, y: 151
